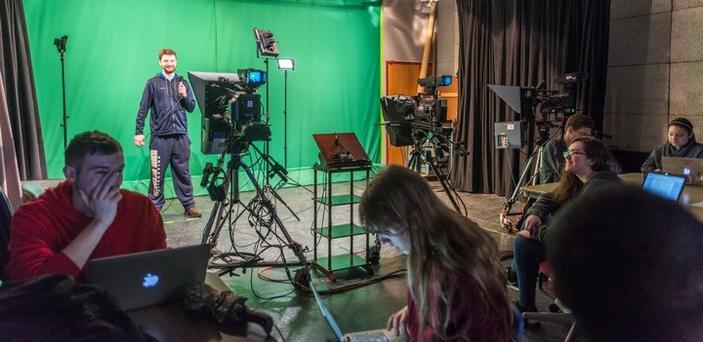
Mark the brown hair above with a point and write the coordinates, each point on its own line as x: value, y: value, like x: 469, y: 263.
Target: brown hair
x: 578, y: 121
x: 89, y: 143
x: 442, y: 243
x: 570, y: 185
x: 642, y: 256
x: 166, y: 51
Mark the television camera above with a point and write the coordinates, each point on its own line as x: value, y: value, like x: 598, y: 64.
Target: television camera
x: 421, y: 122
x: 231, y: 109
x: 421, y: 119
x: 554, y: 106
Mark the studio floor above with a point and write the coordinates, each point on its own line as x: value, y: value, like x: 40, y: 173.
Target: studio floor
x: 363, y: 308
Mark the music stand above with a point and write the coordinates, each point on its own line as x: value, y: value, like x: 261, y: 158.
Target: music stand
x: 338, y: 150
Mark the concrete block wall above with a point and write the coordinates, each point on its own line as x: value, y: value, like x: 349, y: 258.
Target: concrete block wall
x: 655, y: 70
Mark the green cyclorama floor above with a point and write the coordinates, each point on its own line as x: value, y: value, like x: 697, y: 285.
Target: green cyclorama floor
x: 301, y: 176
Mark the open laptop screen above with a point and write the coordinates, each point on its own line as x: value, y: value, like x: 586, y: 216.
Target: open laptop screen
x: 663, y: 184
x: 327, y: 314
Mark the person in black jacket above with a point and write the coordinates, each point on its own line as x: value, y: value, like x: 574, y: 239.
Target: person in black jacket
x: 168, y: 96
x: 552, y: 156
x: 587, y: 167
x: 681, y: 142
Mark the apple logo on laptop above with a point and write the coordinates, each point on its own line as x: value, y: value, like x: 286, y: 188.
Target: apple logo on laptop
x: 150, y: 280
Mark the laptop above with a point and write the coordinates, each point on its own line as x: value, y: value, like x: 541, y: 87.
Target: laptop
x: 692, y: 168
x: 380, y: 335
x: 148, y: 278
x: 667, y: 185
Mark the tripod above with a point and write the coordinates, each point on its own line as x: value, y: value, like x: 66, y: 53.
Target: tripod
x: 262, y: 213
x: 267, y: 186
x: 419, y: 156
x: 534, y: 160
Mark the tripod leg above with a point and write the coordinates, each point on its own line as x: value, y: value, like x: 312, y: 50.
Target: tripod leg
x: 218, y: 216
x: 279, y: 199
x: 414, y: 164
x: 269, y: 161
x: 521, y: 182
x: 443, y: 182
x: 296, y: 247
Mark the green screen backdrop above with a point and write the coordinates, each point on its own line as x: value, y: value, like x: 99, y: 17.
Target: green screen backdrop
x: 112, y: 51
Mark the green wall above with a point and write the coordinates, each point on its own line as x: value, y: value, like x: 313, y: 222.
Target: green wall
x: 112, y: 51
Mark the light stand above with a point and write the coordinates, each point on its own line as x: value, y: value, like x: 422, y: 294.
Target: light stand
x: 285, y: 64
x: 267, y: 114
x: 266, y: 46
x: 61, y: 47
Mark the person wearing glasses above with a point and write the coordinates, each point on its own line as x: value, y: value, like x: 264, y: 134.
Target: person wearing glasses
x: 681, y: 142
x: 552, y: 158
x: 586, y: 167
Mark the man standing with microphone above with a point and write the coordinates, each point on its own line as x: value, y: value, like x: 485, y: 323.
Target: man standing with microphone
x: 168, y: 97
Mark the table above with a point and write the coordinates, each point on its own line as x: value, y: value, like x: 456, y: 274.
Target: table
x: 171, y: 322
x: 691, y: 197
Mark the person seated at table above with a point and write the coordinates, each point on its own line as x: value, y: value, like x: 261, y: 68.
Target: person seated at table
x: 629, y: 265
x: 681, y: 142
x: 587, y: 167
x: 456, y: 284
x: 85, y: 217
x: 552, y: 157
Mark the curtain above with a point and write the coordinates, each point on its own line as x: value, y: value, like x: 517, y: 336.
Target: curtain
x: 9, y: 173
x: 20, y: 95
x: 521, y: 43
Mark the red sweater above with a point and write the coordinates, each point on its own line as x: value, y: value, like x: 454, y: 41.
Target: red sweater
x: 42, y: 228
x: 472, y: 319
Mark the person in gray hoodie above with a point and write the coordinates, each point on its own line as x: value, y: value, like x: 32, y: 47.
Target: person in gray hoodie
x: 167, y: 96
x: 681, y: 142
x: 586, y: 167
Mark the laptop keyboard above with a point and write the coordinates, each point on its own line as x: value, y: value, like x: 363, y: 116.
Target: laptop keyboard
x: 368, y: 337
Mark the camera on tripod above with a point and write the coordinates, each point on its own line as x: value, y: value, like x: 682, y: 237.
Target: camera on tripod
x: 421, y: 122
x: 557, y: 101
x: 414, y: 121
x: 536, y: 107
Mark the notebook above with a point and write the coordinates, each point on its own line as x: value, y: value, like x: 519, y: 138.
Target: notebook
x: 148, y: 278
x: 692, y: 168
x: 380, y: 335
x: 663, y: 184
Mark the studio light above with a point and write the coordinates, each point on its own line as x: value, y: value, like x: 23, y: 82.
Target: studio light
x: 286, y: 63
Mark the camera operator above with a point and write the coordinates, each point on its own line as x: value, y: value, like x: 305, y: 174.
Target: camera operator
x: 552, y: 157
